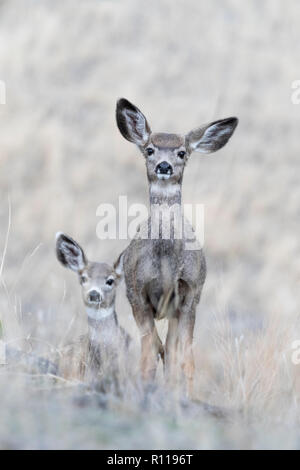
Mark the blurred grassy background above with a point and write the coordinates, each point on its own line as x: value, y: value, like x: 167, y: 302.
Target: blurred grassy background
x: 61, y: 155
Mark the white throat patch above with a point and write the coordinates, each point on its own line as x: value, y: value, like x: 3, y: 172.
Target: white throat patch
x: 156, y: 188
x: 99, y: 313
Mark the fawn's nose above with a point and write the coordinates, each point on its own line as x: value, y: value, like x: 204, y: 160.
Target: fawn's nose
x: 94, y: 296
x: 164, y: 168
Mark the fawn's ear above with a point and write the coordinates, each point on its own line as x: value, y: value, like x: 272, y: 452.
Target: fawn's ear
x: 132, y: 123
x: 118, y: 266
x: 211, y: 137
x: 69, y: 253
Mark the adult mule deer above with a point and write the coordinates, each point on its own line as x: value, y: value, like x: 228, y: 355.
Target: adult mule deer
x: 163, y: 277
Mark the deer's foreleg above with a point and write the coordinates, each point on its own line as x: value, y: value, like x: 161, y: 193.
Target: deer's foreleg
x: 151, y: 345
x: 171, y: 352
x: 185, y: 341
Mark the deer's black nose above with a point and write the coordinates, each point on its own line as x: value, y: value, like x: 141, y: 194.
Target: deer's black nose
x: 164, y: 168
x: 94, y: 296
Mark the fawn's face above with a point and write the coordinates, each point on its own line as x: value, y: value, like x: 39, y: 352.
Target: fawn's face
x: 98, y: 280
x: 98, y: 285
x: 166, y: 154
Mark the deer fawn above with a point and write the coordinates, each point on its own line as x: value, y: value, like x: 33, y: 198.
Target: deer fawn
x: 106, y: 338
x: 163, y: 278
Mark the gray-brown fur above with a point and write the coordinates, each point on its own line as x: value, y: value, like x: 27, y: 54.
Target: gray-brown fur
x: 106, y: 339
x: 163, y: 140
x: 163, y: 278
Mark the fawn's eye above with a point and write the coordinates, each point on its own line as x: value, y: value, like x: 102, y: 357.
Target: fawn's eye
x: 110, y: 282
x: 181, y: 154
x: 83, y: 279
x: 149, y: 151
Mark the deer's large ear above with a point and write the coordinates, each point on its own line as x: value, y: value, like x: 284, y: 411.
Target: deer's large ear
x: 132, y: 123
x: 118, y: 266
x: 211, y: 137
x: 69, y: 253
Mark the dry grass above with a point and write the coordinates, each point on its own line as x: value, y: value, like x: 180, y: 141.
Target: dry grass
x: 61, y: 155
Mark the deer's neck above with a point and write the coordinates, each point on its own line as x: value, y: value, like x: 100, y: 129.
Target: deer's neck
x: 102, y: 324
x: 162, y: 193
x: 166, y: 221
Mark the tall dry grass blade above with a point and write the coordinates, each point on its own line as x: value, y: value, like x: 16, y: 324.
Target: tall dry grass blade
x: 6, y: 238
x: 27, y: 257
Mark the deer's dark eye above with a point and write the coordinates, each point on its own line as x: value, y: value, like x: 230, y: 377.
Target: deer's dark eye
x: 110, y: 282
x: 181, y: 154
x: 83, y: 279
x: 149, y: 151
